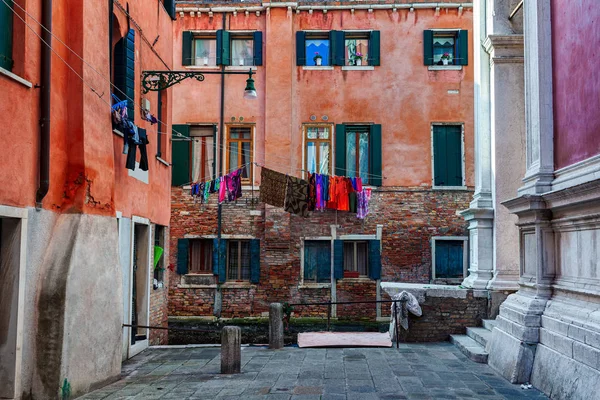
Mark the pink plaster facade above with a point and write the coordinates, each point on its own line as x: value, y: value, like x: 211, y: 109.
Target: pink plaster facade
x: 576, y: 56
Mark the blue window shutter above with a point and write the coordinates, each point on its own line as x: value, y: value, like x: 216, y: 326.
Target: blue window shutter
x: 455, y: 259
x: 338, y: 259
x: 186, y: 48
x: 215, y: 257
x: 6, y: 35
x: 374, y: 49
x: 223, y: 261
x: 337, y: 44
x: 428, y: 47
x: 223, y: 47
x: 374, y: 259
x: 300, y: 48
x: 324, y: 263
x: 180, y: 156
x: 463, y: 47
x: 340, y: 150
x: 125, y: 71
x: 375, y: 156
x: 183, y: 251
x: 170, y: 7
x: 258, y: 55
x: 254, y: 260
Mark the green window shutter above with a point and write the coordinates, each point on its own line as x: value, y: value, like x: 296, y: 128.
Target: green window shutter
x: 463, y: 47
x: 180, y: 156
x: 337, y: 47
x: 449, y: 259
x: 223, y: 261
x: 440, y: 156
x: 338, y: 259
x: 428, y: 47
x: 223, y: 47
x: 186, y: 49
x: 340, y: 150
x: 6, y: 35
x: 125, y: 71
x: 324, y: 263
x: 183, y: 251
x: 300, y: 48
x: 258, y: 55
x: 374, y: 259
x: 375, y: 52
x: 214, y: 162
x: 170, y: 7
x: 375, y: 149
x: 454, y: 155
x: 254, y: 260
x: 215, y: 257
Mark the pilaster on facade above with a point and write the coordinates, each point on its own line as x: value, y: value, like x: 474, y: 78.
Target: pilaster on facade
x: 539, y: 100
x: 481, y: 239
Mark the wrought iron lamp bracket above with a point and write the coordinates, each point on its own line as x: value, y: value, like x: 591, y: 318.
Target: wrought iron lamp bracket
x: 153, y: 81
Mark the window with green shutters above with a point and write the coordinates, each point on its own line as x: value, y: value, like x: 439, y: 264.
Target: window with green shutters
x: 446, y: 47
x: 447, y: 156
x: 337, y: 48
x: 449, y: 260
x: 223, y: 48
x: 6, y: 34
x: 357, y: 258
x: 180, y: 155
x: 358, y: 152
x: 124, y: 67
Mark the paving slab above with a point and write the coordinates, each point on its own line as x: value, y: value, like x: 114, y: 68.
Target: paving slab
x: 415, y: 371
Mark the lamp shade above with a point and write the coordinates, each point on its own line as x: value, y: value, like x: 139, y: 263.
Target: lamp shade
x: 250, y: 91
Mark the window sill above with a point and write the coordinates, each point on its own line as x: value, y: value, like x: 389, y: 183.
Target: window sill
x: 315, y: 286
x: 450, y: 188
x: 358, y: 68
x: 318, y: 67
x: 160, y: 160
x: 445, y: 67
x: 193, y: 286
x: 203, y: 67
x: 240, y: 67
x: 237, y: 285
x: 359, y: 279
x: 16, y: 77
x: 118, y: 133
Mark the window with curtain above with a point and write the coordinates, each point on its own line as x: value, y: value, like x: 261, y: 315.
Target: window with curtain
x: 317, y: 261
x: 242, y: 50
x: 356, y: 257
x: 205, y: 50
x: 444, y: 47
x: 239, y: 150
x: 317, y: 49
x: 356, y: 48
x: 318, y: 149
x: 357, y: 152
x: 202, y: 153
x: 200, y: 256
x: 238, y: 260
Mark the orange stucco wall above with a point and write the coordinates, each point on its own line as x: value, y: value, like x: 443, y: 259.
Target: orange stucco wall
x: 402, y: 94
x: 87, y: 169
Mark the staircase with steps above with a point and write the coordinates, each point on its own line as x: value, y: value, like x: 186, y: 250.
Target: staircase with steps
x: 474, y: 343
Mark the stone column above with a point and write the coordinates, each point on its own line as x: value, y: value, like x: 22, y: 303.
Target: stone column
x: 275, y: 326
x: 480, y: 213
x: 538, y: 92
x: 231, y: 350
x: 508, y: 154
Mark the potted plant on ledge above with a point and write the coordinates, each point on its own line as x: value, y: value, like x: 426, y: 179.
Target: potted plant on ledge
x: 446, y: 58
x: 317, y: 59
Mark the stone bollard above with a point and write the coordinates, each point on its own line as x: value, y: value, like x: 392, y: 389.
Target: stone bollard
x: 231, y: 350
x: 275, y: 326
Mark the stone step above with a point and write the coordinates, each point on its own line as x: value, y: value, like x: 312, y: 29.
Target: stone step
x: 480, y: 335
x: 489, y: 324
x: 470, y: 348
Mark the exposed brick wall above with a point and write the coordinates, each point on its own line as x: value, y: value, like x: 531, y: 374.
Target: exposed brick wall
x: 409, y: 217
x: 159, y: 315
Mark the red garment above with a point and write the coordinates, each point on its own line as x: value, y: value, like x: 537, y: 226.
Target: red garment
x: 343, y: 204
x: 332, y: 203
x: 359, y: 184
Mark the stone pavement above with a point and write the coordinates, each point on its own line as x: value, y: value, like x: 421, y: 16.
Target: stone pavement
x: 415, y: 371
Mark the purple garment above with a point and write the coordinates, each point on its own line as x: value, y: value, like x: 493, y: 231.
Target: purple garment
x: 362, y: 206
x: 320, y: 203
x: 234, y: 185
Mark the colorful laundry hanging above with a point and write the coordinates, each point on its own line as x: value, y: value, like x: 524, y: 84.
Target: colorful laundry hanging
x: 296, y: 196
x: 228, y: 188
x: 272, y: 187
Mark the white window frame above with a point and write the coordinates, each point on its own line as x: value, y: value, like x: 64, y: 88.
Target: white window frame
x: 465, y: 240
x: 463, y: 157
